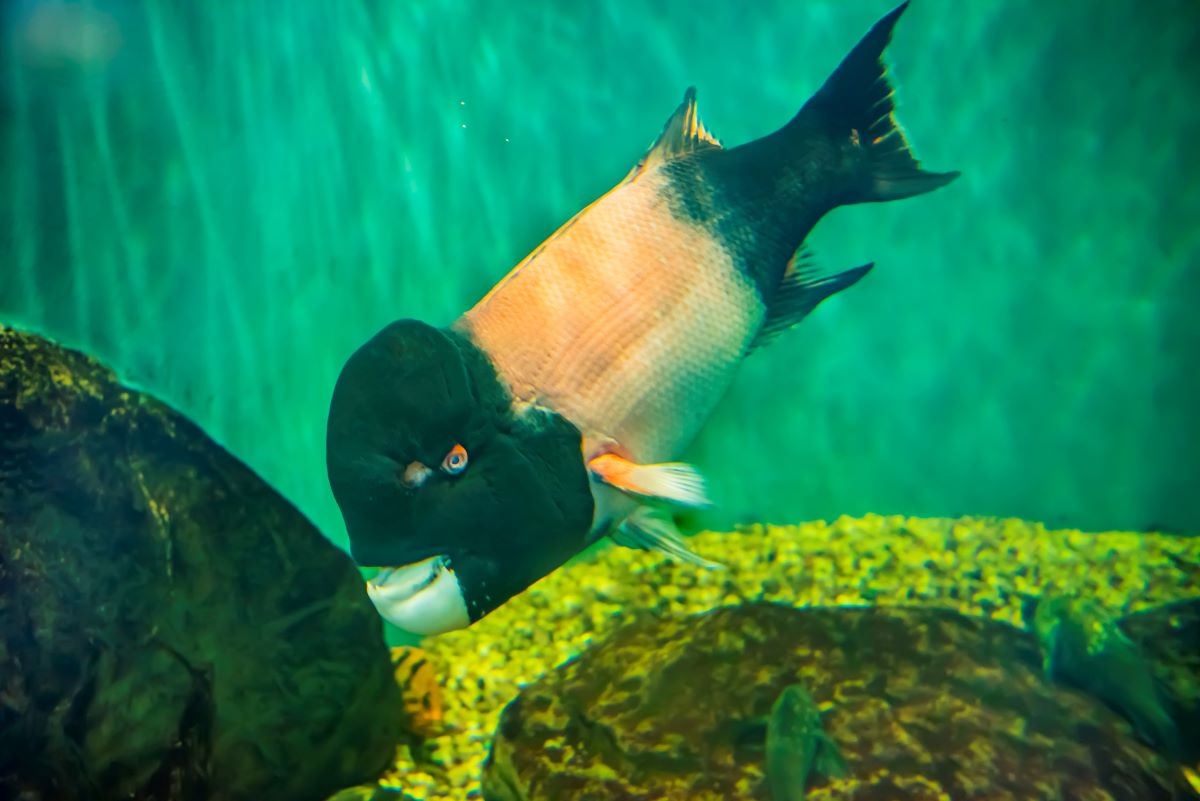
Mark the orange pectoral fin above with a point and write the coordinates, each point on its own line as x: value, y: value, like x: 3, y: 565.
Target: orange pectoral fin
x: 672, y: 482
x: 611, y: 469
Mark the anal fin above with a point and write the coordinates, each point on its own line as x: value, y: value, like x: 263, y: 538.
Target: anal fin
x: 801, y: 289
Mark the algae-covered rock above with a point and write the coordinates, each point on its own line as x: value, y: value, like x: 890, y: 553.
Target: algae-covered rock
x: 170, y: 627
x: 984, y: 567
x: 1151, y: 681
x: 922, y: 704
x: 1170, y: 637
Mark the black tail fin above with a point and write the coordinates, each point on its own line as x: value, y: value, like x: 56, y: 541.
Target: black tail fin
x: 856, y: 101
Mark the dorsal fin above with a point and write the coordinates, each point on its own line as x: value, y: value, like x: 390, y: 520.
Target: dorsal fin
x: 683, y: 134
x: 801, y: 289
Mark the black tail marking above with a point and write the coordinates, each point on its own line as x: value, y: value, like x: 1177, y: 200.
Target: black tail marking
x: 856, y: 101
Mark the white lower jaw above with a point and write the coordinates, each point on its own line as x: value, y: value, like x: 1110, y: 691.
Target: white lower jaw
x: 422, y: 598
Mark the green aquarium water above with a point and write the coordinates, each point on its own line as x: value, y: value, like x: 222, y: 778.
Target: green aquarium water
x: 223, y: 200
x: 951, y: 547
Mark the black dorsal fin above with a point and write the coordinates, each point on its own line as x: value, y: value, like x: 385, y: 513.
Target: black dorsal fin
x: 801, y: 289
x: 684, y: 133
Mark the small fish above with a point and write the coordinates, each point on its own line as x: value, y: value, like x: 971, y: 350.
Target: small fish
x: 474, y: 459
x: 419, y: 689
x: 1082, y: 645
x: 797, y: 746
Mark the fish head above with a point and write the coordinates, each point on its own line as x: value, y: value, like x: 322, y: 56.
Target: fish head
x: 1051, y: 610
x: 462, y: 499
x: 795, y: 713
x: 797, y: 744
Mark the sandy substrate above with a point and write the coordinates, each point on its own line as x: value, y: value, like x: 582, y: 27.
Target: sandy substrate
x: 976, y: 566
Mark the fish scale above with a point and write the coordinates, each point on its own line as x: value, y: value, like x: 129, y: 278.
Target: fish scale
x: 631, y: 327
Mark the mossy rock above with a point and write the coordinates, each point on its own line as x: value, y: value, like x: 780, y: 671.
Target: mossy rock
x: 170, y: 627
x: 923, y: 704
x: 1169, y: 635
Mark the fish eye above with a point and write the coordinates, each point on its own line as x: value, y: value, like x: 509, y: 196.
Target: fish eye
x: 455, y: 461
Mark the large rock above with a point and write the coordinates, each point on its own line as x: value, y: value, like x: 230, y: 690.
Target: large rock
x: 923, y: 704
x: 1169, y: 635
x: 170, y: 627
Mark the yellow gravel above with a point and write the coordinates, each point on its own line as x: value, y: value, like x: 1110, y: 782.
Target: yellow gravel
x: 977, y: 566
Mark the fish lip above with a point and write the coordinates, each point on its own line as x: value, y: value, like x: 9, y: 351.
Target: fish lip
x: 423, y: 597
x: 404, y: 581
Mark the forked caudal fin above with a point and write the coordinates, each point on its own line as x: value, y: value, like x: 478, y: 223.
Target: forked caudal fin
x: 857, y: 100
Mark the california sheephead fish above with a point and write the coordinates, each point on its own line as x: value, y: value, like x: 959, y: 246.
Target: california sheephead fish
x: 797, y: 746
x: 472, y: 460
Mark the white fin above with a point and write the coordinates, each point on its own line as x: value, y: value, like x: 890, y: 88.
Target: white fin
x: 683, y: 134
x: 673, y: 482
x: 653, y: 530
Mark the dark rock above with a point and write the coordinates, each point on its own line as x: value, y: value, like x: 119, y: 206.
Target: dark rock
x: 1084, y: 645
x: 1170, y: 637
x: 923, y: 704
x: 170, y: 627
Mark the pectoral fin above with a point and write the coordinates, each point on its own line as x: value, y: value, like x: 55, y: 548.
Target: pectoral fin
x: 829, y: 761
x: 672, y: 482
x: 651, y: 529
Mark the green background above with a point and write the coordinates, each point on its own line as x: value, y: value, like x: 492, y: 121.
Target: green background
x: 223, y: 199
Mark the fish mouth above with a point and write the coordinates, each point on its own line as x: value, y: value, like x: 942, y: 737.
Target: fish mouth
x: 423, y: 598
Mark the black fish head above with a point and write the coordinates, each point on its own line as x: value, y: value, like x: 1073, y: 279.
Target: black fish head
x: 437, y: 475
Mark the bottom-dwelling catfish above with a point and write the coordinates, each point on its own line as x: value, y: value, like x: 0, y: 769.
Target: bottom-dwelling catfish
x: 472, y: 460
x: 798, y: 747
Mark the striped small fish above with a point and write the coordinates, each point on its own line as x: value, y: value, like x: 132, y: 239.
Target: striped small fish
x: 419, y: 689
